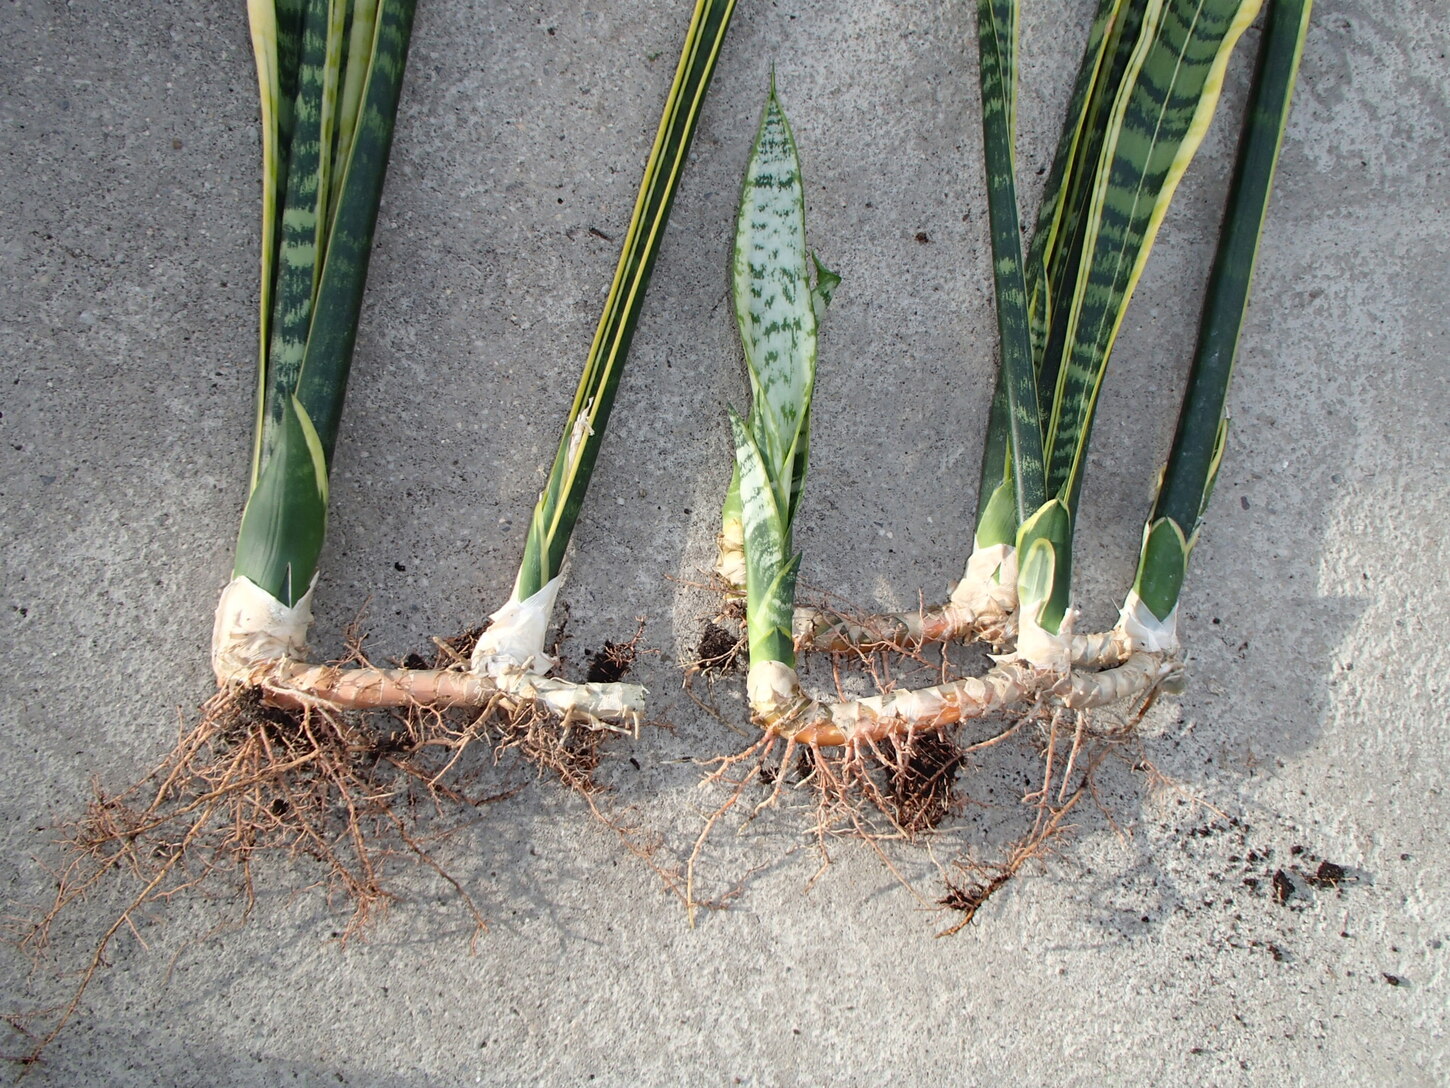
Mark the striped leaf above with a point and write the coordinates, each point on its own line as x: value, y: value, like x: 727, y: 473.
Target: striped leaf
x: 300, y: 224
x: 559, y: 504
x: 362, y: 27
x: 1110, y: 40
x: 1067, y: 163
x: 312, y: 287
x: 1198, y: 444
x: 1129, y: 33
x: 276, y: 31
x: 322, y: 381
x: 997, y: 38
x: 1158, y: 118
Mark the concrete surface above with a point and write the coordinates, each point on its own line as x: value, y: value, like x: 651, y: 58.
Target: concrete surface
x: 1315, y: 615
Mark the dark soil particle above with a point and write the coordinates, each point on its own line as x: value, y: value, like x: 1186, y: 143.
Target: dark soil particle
x: 1283, y: 887
x: 718, y: 649
x: 611, y: 664
x: 921, y: 791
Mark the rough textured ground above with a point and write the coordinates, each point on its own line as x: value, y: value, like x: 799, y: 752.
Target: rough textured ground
x: 1158, y: 952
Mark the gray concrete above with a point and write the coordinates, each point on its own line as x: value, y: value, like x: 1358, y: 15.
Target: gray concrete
x: 1315, y: 614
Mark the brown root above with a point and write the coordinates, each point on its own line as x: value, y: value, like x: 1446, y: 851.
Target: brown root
x: 249, y: 781
x: 967, y: 897
x: 895, y: 778
x: 346, y: 793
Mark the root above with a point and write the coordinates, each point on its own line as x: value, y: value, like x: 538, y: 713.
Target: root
x: 839, y: 632
x: 899, y: 790
x: 344, y: 792
x: 889, y: 768
x: 968, y: 898
x: 893, y: 788
x: 897, y: 713
x: 250, y: 781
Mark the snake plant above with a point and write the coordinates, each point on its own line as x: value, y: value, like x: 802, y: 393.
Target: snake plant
x: 512, y: 649
x: 330, y: 73
x: 1198, y: 444
x: 776, y: 309
x: 1144, y: 95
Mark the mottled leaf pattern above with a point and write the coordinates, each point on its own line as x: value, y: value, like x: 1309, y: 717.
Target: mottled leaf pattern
x: 772, y: 293
x: 776, y: 308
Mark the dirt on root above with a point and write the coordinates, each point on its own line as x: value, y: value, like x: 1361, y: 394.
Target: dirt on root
x: 908, y: 789
x: 719, y: 650
x: 922, y: 781
x: 611, y: 664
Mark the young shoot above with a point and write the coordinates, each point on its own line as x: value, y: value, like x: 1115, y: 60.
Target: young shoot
x: 776, y: 312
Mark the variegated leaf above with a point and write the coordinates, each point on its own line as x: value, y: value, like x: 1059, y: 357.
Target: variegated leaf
x: 559, y: 503
x: 772, y: 291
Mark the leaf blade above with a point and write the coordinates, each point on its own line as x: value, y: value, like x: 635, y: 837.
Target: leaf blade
x: 1158, y: 123
x: 997, y: 34
x: 1198, y: 442
x: 562, y: 498
x: 772, y: 295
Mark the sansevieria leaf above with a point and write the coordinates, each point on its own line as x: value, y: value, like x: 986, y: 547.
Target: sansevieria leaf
x: 301, y: 221
x: 1111, y: 40
x: 997, y: 37
x: 286, y: 517
x: 775, y: 309
x: 772, y: 294
x: 1198, y: 444
x: 1071, y: 150
x: 1156, y: 123
x: 769, y: 563
x: 559, y: 504
x: 276, y: 30
x: 321, y: 191
x: 327, y: 360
